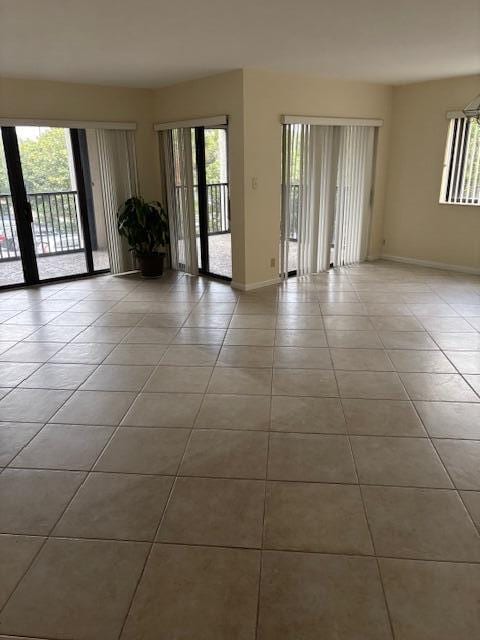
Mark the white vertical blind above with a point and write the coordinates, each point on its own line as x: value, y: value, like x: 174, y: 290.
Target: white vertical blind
x: 327, y: 178
x: 461, y: 178
x: 118, y: 177
x: 354, y: 180
x: 178, y: 165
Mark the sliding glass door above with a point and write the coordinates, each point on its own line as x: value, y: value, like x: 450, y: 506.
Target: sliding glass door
x: 196, y: 173
x: 326, y: 189
x: 11, y: 267
x: 45, y: 231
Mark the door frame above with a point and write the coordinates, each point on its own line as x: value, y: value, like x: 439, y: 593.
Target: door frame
x: 203, y: 201
x: 23, y: 211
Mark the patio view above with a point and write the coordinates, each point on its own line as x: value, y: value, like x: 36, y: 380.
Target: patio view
x: 50, y: 183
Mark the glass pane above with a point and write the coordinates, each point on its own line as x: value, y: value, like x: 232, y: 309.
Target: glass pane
x: 219, y: 236
x: 11, y: 270
x: 49, y: 176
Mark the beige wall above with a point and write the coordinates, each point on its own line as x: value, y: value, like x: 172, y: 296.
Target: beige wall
x: 269, y: 95
x: 416, y: 225
x: 65, y: 101
x: 221, y: 94
x: 254, y: 102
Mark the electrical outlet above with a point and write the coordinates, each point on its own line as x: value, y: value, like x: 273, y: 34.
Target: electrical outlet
x: 272, y: 262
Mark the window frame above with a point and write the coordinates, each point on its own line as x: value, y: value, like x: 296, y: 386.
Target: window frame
x: 455, y: 161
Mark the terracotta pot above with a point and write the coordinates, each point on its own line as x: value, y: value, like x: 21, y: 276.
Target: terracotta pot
x: 150, y: 264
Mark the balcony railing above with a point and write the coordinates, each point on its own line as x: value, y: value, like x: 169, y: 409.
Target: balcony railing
x: 56, y: 226
x: 217, y: 207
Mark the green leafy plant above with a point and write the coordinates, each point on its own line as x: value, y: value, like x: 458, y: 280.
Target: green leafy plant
x: 144, y: 225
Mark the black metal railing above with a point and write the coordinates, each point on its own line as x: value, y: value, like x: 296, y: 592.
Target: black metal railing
x: 217, y: 206
x: 56, y: 227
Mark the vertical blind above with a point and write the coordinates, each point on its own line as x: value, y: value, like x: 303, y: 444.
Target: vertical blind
x: 461, y: 181
x: 327, y: 177
x: 178, y: 167
x: 118, y: 177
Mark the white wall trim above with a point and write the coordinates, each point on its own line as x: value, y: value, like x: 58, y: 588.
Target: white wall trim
x: 254, y: 285
x: 432, y: 264
x: 213, y: 121
x: 66, y: 124
x: 332, y: 121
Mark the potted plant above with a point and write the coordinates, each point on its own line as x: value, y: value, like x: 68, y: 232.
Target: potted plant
x: 145, y: 226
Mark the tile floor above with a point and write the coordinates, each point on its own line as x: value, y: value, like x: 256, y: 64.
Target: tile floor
x: 302, y: 462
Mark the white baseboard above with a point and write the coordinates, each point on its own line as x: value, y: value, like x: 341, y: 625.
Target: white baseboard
x: 254, y: 285
x: 433, y: 265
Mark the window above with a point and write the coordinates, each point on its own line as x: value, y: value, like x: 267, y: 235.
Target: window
x: 461, y: 175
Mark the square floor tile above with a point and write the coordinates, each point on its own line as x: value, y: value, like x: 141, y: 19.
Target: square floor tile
x: 309, y: 457
x: 226, y: 454
x: 382, y: 418
x: 102, y: 334
x: 116, y: 506
x: 361, y: 360
x: 191, y: 355
x: 418, y: 340
x: 12, y: 373
x: 316, y: 517
x: 348, y: 323
x: 95, y: 407
x: 465, y: 361
x: 140, y: 354
x: 144, y: 450
x: 299, y: 322
x: 208, y: 321
x: 59, y: 376
x: 234, y: 412
x: 118, y: 320
x: 16, y: 554
x: 304, y: 382
x: 31, y: 405
x: 76, y: 319
x: 250, y: 337
x: 31, y: 352
x: 300, y: 338
x: 450, y: 419
x: 321, y: 596
x: 353, y: 340
x: 199, y: 335
x: 432, y: 600
x: 304, y: 414
x: 245, y: 356
x: 447, y: 387
x: 241, y: 380
x: 14, y: 436
x: 151, y: 335
x: 163, y: 410
x: 302, y: 358
x: 85, y: 585
x: 411, y: 361
x: 398, y: 461
x: 215, y: 511
x: 179, y: 379
x: 70, y: 447
x: 472, y: 502
x: 396, y: 323
x: 457, y: 341
x: 223, y: 589
x: 81, y: 353
x: 428, y: 524
x: 32, y: 501
x: 253, y: 322
x: 117, y: 377
x: 369, y: 384
x: 462, y: 459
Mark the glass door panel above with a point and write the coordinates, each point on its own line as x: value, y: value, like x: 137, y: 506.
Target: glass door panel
x: 218, y: 211
x: 11, y: 266
x: 49, y: 176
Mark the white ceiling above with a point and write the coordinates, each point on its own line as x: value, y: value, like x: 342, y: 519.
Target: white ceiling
x: 149, y: 43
